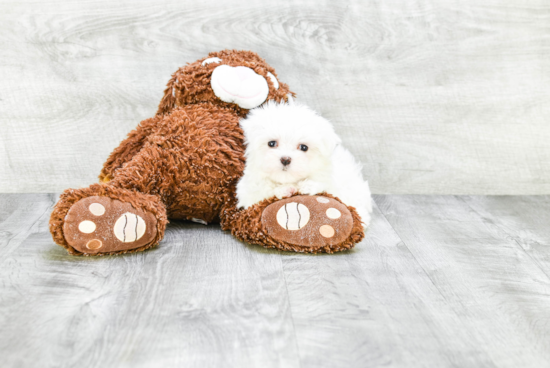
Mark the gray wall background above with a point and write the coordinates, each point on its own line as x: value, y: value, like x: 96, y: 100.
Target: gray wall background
x: 447, y: 97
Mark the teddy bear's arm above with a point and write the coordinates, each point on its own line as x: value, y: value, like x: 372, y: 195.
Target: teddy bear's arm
x: 129, y: 147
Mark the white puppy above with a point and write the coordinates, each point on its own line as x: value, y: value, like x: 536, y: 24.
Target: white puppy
x: 290, y: 149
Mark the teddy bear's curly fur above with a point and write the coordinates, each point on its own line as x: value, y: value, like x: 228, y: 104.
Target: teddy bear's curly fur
x: 182, y: 163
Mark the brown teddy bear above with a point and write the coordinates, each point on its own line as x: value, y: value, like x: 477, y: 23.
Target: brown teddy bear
x: 184, y: 164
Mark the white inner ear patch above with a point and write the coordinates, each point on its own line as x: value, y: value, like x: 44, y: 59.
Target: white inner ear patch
x: 293, y: 216
x: 274, y: 80
x: 212, y: 60
x: 97, y: 209
x: 129, y: 227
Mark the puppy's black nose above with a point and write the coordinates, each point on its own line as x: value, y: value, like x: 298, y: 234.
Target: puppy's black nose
x: 285, y: 160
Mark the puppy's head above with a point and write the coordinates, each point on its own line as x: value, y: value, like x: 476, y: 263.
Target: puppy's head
x: 288, y: 143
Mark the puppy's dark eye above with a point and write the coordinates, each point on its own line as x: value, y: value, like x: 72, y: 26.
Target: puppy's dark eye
x: 303, y: 147
x: 272, y: 144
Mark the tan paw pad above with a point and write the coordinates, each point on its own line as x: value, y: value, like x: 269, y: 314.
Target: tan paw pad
x: 94, y: 244
x: 100, y: 224
x: 327, y: 231
x: 313, y: 221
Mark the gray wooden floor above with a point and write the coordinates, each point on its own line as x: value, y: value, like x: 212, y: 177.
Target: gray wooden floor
x: 439, y: 281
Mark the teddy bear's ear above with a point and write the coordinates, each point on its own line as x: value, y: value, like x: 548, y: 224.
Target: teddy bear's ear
x: 168, y: 101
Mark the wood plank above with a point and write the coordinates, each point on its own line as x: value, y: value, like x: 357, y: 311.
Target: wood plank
x: 375, y: 306
x: 432, y: 96
x: 22, y: 215
x: 523, y: 219
x: 201, y: 299
x: 499, y: 292
x: 439, y: 281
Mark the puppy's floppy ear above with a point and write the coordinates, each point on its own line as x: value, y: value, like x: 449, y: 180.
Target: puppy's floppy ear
x: 330, y: 141
x: 252, y: 125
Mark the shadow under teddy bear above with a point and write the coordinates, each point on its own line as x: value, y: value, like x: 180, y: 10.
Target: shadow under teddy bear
x: 184, y: 163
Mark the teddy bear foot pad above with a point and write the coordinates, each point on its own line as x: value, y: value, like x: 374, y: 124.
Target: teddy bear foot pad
x: 103, y: 225
x: 308, y: 221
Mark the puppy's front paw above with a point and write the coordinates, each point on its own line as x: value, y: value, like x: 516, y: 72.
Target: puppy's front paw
x: 310, y: 187
x: 285, y: 191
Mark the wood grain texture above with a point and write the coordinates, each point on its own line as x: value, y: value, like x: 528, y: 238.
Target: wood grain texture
x: 432, y: 96
x: 201, y: 299
x: 439, y: 281
x: 498, y: 291
x: 521, y: 219
x: 375, y: 307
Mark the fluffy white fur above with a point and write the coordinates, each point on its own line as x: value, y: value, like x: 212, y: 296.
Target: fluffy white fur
x: 326, y: 166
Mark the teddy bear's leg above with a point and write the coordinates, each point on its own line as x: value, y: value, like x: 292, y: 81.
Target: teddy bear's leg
x: 301, y: 223
x: 103, y: 219
x: 129, y: 147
